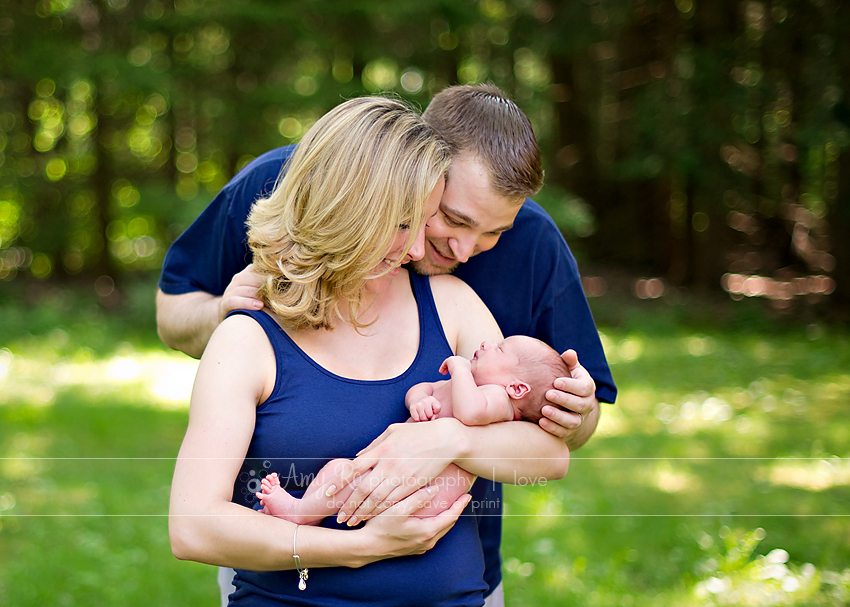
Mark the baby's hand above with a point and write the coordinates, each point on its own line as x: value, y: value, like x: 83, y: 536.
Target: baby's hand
x: 425, y: 409
x: 452, y: 363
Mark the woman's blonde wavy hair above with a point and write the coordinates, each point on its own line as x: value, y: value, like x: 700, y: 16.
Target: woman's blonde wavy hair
x: 365, y: 169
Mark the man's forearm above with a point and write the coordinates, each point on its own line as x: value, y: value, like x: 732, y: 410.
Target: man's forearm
x: 185, y: 322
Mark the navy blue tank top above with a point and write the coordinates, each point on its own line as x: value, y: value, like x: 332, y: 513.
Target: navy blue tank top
x: 313, y: 416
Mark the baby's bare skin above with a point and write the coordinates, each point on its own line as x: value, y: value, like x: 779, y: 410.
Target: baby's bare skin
x: 314, y: 506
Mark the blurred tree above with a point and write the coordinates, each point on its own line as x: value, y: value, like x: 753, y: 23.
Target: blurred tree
x: 698, y: 141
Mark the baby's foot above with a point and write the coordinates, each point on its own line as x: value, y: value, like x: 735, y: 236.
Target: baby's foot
x: 269, y: 483
x: 277, y: 502
x: 269, y: 488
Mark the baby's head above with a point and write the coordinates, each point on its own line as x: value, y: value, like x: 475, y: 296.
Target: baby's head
x: 527, y: 368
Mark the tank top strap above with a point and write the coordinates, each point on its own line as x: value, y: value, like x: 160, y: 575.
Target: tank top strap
x: 277, y: 336
x: 432, y: 336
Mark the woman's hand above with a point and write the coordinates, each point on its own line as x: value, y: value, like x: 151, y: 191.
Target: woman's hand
x: 402, y: 459
x: 396, y: 532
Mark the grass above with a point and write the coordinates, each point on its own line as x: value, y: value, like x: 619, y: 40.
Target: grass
x: 721, y: 477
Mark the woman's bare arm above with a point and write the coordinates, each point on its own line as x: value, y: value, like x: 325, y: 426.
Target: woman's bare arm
x: 235, y: 374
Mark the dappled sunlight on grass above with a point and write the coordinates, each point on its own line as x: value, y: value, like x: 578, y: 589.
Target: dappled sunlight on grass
x: 811, y: 475
x: 154, y: 378
x: 742, y: 385
x: 712, y: 431
x: 671, y: 478
x: 20, y: 457
x: 724, y: 448
x: 92, y: 412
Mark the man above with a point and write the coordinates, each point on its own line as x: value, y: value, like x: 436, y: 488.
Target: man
x: 486, y: 233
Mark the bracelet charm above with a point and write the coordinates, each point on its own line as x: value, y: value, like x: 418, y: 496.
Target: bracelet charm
x: 302, y: 573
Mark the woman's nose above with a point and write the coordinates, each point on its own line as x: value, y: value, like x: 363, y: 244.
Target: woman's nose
x: 417, y: 250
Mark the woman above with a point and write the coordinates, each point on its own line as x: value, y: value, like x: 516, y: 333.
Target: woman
x: 350, y: 331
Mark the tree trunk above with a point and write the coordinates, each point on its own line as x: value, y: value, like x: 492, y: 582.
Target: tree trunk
x: 838, y: 219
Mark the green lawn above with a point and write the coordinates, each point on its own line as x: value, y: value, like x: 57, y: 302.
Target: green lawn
x: 721, y: 477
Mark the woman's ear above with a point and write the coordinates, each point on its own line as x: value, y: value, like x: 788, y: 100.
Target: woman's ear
x: 517, y: 389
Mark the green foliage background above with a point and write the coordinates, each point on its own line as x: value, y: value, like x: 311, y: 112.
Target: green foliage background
x: 685, y: 140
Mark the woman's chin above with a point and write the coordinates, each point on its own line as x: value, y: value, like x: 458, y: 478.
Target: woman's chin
x: 387, y: 268
x: 383, y: 273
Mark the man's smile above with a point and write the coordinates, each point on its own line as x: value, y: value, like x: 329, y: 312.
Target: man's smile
x: 439, y: 258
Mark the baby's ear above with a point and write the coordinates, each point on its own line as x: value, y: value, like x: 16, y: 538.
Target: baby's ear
x: 517, y: 389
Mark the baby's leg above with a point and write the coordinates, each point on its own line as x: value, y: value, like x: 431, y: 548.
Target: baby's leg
x: 453, y: 483
x: 314, y: 505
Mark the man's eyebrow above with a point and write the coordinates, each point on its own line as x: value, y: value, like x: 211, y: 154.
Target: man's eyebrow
x: 503, y: 228
x: 469, y: 220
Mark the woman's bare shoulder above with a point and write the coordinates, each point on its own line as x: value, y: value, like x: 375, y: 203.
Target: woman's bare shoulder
x: 240, y: 345
x: 239, y: 333
x: 450, y: 288
x: 466, y: 319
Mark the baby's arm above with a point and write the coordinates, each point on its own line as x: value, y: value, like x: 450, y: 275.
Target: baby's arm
x: 422, y: 403
x: 471, y: 404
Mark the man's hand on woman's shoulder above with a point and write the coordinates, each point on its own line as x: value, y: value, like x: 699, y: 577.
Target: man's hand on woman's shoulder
x: 241, y: 293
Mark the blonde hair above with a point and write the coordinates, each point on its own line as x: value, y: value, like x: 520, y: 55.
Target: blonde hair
x: 364, y: 170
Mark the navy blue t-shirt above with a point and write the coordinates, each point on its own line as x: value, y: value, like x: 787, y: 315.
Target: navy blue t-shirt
x: 529, y: 280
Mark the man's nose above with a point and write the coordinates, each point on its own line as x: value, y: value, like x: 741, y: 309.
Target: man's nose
x: 462, y: 248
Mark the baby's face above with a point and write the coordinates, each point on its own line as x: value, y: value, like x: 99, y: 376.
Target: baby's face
x: 497, y: 363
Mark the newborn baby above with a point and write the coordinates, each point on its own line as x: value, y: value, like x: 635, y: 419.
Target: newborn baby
x: 503, y: 382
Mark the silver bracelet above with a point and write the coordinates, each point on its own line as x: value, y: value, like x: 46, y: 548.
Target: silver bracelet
x: 302, y: 573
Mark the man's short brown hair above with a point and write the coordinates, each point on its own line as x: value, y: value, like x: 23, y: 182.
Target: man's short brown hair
x: 481, y: 120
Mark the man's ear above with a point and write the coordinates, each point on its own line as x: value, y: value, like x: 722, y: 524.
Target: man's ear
x: 517, y: 389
